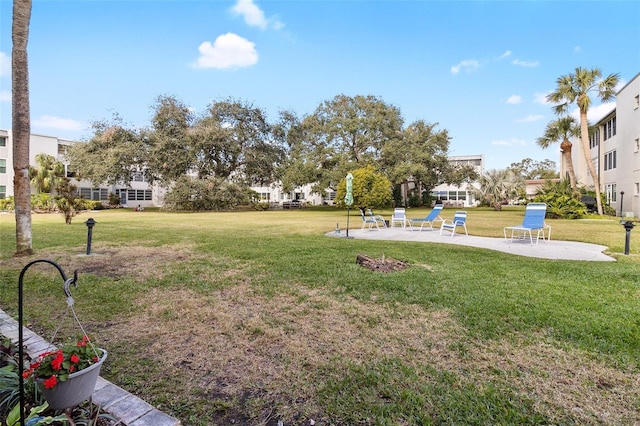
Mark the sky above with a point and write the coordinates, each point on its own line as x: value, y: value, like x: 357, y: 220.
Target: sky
x: 479, y: 69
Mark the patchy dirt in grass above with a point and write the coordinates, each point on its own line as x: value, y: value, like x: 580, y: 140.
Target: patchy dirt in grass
x: 136, y: 262
x: 237, y: 347
x: 234, y: 345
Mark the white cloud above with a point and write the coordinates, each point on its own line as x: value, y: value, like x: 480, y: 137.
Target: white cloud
x: 5, y: 96
x: 509, y: 142
x: 228, y: 51
x: 5, y: 65
x: 505, y: 54
x: 530, y: 119
x: 595, y: 113
x: 514, y: 99
x: 527, y: 64
x: 468, y: 65
x: 254, y: 16
x: 540, y: 98
x: 52, y: 122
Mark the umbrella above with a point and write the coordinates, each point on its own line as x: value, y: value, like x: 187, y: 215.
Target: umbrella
x: 348, y: 199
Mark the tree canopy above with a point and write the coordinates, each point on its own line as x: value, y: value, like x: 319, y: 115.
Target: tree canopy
x: 233, y: 142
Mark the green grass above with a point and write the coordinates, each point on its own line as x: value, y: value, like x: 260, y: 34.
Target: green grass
x: 273, y: 278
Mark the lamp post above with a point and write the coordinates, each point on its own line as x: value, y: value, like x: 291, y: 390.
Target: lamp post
x: 621, y: 202
x: 90, y: 224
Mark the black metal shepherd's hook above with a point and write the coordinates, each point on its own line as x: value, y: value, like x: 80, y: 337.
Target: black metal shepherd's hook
x: 67, y: 283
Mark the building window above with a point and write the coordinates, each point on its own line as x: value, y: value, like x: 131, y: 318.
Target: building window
x: 139, y: 177
x: 611, y: 193
x: 637, y: 147
x: 3, y: 165
x: 3, y: 191
x: 637, y: 191
x: 265, y: 196
x: 610, y: 160
x: 637, y: 99
x: 139, y: 195
x: 594, y: 139
x: 609, y: 129
x: 3, y: 139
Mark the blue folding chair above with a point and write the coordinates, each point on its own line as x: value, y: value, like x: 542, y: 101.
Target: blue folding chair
x: 459, y: 219
x: 433, y: 216
x: 533, y: 220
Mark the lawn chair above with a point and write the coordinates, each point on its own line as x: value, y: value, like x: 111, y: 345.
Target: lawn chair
x: 533, y: 220
x: 369, y: 220
x: 399, y: 216
x: 378, y: 218
x: 459, y: 219
x: 432, y: 217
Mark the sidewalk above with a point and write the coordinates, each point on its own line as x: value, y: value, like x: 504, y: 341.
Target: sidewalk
x: 553, y: 249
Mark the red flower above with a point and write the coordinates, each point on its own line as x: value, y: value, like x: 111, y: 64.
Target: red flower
x: 27, y: 373
x: 72, y: 368
x: 56, y: 363
x: 51, y: 382
x: 82, y: 343
x: 96, y: 359
x: 75, y: 359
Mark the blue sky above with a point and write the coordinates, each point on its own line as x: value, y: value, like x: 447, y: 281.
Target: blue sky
x: 481, y: 69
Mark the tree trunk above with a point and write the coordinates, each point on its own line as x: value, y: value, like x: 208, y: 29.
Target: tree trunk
x: 584, y: 139
x: 21, y: 125
x: 566, y: 146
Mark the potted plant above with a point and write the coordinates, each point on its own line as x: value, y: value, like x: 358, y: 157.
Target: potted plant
x: 68, y: 376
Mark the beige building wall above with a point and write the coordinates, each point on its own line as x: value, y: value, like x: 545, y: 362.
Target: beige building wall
x: 615, y: 152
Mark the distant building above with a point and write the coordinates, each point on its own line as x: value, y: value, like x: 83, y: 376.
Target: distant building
x: 615, y: 152
x: 460, y: 196
x: 136, y: 193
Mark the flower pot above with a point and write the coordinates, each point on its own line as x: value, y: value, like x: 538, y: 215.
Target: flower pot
x: 77, y: 388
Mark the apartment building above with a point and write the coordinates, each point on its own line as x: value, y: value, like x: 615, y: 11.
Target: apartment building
x: 615, y: 152
x: 138, y: 192
x: 460, y: 196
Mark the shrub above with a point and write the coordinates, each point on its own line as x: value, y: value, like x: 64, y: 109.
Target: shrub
x: 561, y: 206
x: 7, y: 204
x: 193, y: 194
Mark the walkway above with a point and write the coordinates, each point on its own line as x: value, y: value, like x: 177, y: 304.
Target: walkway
x: 127, y: 408
x: 553, y: 249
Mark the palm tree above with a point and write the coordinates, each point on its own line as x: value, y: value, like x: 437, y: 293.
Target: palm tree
x: 498, y: 186
x: 561, y: 130
x: 21, y: 125
x: 576, y: 88
x: 47, y: 175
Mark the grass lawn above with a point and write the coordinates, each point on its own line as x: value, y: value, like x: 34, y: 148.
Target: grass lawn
x: 254, y: 317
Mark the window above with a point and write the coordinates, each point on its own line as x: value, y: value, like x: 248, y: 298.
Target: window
x: 610, y: 160
x: 609, y: 129
x: 637, y: 146
x: 139, y: 177
x: 3, y: 165
x: 611, y: 193
x: 637, y: 99
x: 3, y: 192
x: 637, y: 190
x: 95, y: 194
x: 139, y: 195
x: 594, y: 139
x: 265, y: 196
x: 3, y: 139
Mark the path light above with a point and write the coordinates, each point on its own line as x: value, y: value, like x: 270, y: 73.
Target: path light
x: 628, y: 226
x: 90, y: 223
